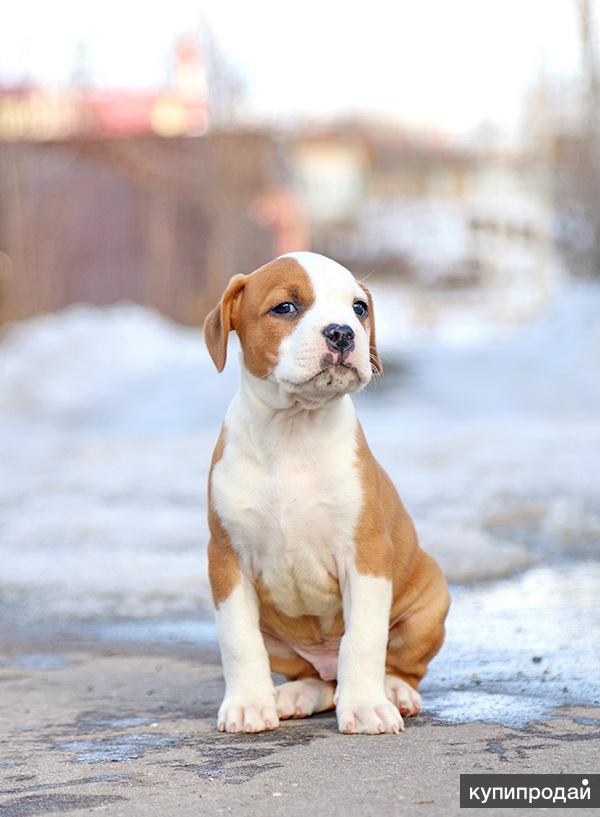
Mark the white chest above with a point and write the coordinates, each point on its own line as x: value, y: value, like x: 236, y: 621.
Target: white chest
x: 289, y: 500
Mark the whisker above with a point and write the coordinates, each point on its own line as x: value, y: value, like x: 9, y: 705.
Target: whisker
x: 367, y: 276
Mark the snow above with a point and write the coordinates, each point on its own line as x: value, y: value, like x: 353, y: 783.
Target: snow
x: 108, y: 417
x: 498, y: 230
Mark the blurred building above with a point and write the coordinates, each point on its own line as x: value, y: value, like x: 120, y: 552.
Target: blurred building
x: 31, y: 113
x: 390, y: 202
x: 562, y: 125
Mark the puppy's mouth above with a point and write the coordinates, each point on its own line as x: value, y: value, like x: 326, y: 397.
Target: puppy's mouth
x: 329, y: 364
x: 333, y: 376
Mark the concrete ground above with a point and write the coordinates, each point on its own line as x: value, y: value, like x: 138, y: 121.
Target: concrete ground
x: 118, y: 715
x: 130, y: 731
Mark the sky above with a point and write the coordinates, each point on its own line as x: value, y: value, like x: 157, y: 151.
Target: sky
x: 434, y: 63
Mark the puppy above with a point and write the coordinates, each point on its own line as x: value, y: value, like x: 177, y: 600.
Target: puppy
x: 314, y: 564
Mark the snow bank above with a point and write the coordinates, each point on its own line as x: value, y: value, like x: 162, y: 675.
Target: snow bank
x: 108, y: 417
x: 72, y: 364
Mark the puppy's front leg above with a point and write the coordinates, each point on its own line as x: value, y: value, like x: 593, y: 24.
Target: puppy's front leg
x: 361, y: 703
x: 249, y: 702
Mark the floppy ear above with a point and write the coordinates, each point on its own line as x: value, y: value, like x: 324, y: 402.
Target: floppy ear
x: 375, y: 362
x: 218, y: 322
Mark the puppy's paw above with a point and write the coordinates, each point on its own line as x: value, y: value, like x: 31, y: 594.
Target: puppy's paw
x: 403, y: 696
x: 299, y: 699
x: 252, y: 714
x: 376, y: 718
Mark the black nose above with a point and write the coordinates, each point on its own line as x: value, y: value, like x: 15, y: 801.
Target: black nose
x: 339, y: 338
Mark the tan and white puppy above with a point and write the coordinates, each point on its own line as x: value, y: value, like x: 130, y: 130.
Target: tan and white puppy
x: 314, y: 564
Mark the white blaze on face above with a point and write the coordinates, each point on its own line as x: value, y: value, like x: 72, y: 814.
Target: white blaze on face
x: 303, y: 352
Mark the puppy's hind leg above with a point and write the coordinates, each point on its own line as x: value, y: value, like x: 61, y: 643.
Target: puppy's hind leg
x: 305, y: 693
x: 412, y: 643
x: 304, y: 697
x: 402, y: 695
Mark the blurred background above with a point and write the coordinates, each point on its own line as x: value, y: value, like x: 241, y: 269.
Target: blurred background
x: 447, y: 153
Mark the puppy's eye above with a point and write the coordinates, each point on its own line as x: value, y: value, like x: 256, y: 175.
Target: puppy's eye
x: 361, y: 309
x: 288, y: 309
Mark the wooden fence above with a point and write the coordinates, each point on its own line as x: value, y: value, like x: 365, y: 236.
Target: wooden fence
x: 164, y: 222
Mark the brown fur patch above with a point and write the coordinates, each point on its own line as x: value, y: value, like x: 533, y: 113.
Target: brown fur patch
x: 418, y: 620
x: 245, y: 307
x: 223, y: 561
x: 384, y: 532
x: 218, y: 322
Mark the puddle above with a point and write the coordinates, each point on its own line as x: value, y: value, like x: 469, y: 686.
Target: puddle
x: 587, y: 721
x: 36, y: 660
x: 187, y: 630
x: 82, y: 781
x: 87, y: 725
x: 49, y: 803
x: 117, y: 748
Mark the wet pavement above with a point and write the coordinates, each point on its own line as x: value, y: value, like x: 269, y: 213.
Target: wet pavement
x: 130, y: 734
x: 118, y: 716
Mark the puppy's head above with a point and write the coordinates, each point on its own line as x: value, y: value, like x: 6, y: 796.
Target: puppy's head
x: 304, y: 323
